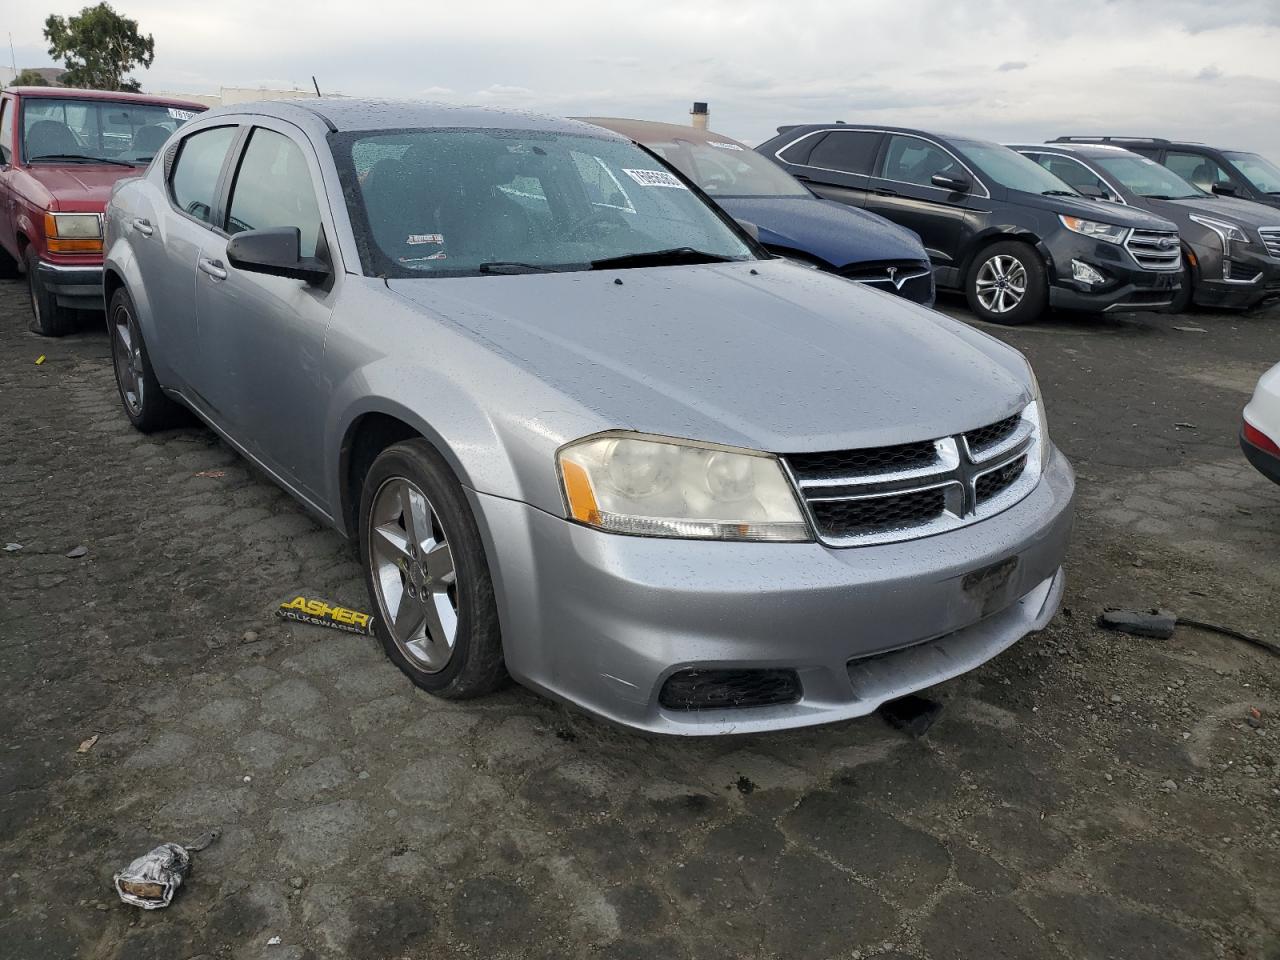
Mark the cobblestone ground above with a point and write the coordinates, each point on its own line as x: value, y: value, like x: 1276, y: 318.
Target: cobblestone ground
x: 1084, y: 796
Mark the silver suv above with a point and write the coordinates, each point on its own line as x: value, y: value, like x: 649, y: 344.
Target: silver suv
x: 582, y: 428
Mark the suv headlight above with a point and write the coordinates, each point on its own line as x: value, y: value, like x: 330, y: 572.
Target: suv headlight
x: 1109, y: 232
x: 661, y: 487
x: 73, y: 232
x: 1226, y: 231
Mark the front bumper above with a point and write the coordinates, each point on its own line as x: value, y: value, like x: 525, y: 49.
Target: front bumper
x: 1125, y: 287
x: 76, y: 286
x: 1241, y: 283
x: 602, y: 620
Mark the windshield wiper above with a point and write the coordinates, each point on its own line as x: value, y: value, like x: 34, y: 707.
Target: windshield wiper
x: 657, y: 258
x: 513, y: 266
x: 81, y: 158
x: 1058, y: 193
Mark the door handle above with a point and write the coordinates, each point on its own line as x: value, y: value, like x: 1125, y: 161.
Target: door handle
x: 885, y: 193
x: 143, y: 226
x: 213, y: 268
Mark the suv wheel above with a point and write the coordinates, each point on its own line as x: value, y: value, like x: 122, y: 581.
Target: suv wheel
x: 434, y: 609
x: 1007, y: 284
x: 47, y: 318
x: 145, y: 404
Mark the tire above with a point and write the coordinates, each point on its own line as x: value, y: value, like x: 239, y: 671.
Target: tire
x: 420, y: 591
x: 145, y: 404
x: 8, y: 265
x: 1182, y: 300
x: 995, y: 276
x: 47, y: 318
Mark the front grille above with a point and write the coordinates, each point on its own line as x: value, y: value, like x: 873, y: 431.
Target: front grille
x: 899, y: 511
x: 986, y: 437
x: 729, y: 689
x: 908, y: 278
x: 1271, y: 240
x: 1155, y: 249
x: 997, y: 481
x: 904, y: 456
x: 901, y: 492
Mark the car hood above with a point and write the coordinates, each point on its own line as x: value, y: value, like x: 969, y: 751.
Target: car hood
x: 1101, y: 210
x: 1244, y: 212
x: 80, y: 186
x: 764, y: 354
x: 833, y: 232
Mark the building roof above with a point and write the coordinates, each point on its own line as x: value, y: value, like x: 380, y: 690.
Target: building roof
x: 650, y: 131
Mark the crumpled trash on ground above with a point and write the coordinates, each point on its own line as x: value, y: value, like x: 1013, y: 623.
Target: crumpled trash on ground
x: 152, y: 880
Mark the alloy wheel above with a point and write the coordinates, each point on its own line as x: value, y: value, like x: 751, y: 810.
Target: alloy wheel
x: 126, y: 350
x: 413, y: 574
x: 1001, y: 283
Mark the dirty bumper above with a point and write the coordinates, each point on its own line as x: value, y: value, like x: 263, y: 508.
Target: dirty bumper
x: 605, y: 621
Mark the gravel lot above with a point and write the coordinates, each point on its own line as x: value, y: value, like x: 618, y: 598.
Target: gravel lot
x: 1086, y: 795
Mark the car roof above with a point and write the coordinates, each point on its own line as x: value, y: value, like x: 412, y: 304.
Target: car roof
x: 648, y: 130
x: 74, y: 93
x: 349, y: 113
x: 838, y: 124
x: 1080, y: 149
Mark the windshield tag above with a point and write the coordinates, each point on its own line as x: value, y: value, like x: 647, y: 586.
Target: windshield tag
x: 181, y: 114
x: 417, y: 239
x: 723, y: 146
x: 655, y: 178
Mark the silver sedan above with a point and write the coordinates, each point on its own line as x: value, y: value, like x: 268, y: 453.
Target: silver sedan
x: 583, y: 430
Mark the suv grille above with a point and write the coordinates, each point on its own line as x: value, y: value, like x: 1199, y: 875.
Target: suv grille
x: 1155, y: 249
x: 1271, y: 240
x: 911, y: 490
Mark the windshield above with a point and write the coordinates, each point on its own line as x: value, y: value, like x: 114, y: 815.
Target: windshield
x: 476, y: 201
x: 1147, y: 178
x: 727, y: 169
x: 1258, y: 170
x: 104, y: 131
x: 1011, y: 169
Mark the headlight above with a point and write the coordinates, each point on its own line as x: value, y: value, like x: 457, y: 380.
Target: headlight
x: 73, y: 232
x: 1035, y: 413
x: 659, y: 487
x: 1092, y: 228
x: 1226, y: 231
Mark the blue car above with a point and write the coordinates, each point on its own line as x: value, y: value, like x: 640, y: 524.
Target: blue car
x: 793, y: 223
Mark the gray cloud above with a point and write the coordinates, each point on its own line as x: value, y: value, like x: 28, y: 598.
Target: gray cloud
x: 1009, y: 65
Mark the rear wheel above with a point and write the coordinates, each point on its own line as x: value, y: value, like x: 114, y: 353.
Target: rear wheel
x: 47, y: 318
x: 1007, y: 284
x: 434, y: 608
x: 145, y: 404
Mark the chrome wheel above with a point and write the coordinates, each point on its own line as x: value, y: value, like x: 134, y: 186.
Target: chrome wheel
x: 126, y: 350
x: 413, y: 574
x: 1001, y: 283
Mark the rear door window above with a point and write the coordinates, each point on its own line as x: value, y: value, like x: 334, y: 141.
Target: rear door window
x: 849, y: 151
x: 273, y: 188
x: 194, y: 181
x: 1197, y: 168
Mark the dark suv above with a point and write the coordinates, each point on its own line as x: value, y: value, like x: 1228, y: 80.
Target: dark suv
x: 1230, y: 173
x: 1230, y: 247
x: 1000, y: 227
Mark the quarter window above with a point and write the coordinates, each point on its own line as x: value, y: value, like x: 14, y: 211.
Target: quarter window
x: 912, y: 160
x: 273, y: 188
x: 850, y: 151
x: 6, y: 130
x: 1200, y: 170
x: 194, y: 181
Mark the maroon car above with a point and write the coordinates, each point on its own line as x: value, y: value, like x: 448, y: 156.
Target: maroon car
x: 61, y: 151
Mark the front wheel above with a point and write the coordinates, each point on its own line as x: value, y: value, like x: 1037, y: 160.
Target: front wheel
x: 47, y: 318
x: 1007, y: 284
x: 434, y: 607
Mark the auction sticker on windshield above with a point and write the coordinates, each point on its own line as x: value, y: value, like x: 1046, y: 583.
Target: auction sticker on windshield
x: 655, y: 178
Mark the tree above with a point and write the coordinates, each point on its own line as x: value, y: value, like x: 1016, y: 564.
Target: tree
x: 29, y: 78
x: 99, y: 47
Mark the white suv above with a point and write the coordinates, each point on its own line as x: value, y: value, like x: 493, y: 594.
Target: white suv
x: 1260, y: 437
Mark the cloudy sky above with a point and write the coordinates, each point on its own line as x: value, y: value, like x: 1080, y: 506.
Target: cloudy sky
x: 1005, y: 69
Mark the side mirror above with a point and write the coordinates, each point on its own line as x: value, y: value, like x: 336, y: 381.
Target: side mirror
x: 1225, y: 190
x: 750, y: 227
x: 954, y: 184
x: 1093, y: 192
x: 275, y: 252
